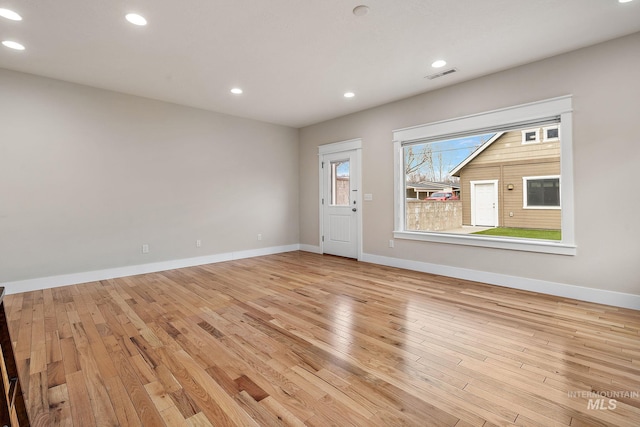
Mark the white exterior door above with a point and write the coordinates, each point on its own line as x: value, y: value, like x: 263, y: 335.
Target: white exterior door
x: 340, y: 203
x: 484, y: 203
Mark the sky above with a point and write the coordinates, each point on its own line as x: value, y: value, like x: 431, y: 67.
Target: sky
x: 453, y: 151
x: 343, y: 169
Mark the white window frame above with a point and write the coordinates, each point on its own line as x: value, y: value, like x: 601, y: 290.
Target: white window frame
x: 561, y: 106
x: 533, y: 178
x: 524, y: 136
x: 545, y: 131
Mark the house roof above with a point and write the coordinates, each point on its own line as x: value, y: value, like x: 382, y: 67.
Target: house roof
x: 433, y: 185
x: 455, y: 171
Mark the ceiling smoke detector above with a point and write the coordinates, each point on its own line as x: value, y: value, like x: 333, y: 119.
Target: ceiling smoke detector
x: 441, y: 73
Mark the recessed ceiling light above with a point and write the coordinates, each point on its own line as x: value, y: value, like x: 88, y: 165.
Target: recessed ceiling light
x: 349, y: 94
x: 13, y: 45
x: 624, y: 1
x: 136, y: 19
x: 236, y: 91
x: 361, y: 10
x: 10, y: 14
x: 439, y: 63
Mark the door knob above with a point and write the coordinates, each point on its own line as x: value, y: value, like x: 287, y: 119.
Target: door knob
x: 354, y: 209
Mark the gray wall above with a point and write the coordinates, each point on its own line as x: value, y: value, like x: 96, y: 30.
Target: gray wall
x: 87, y: 176
x: 603, y: 80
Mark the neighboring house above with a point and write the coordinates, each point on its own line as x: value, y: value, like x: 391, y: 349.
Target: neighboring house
x: 513, y: 180
x: 422, y: 190
x: 340, y: 193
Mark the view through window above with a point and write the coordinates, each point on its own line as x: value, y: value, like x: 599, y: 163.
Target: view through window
x: 340, y: 183
x: 502, y: 182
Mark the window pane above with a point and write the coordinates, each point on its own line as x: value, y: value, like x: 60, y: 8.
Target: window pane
x: 490, y: 182
x: 543, y: 192
x: 340, y: 185
x: 432, y: 193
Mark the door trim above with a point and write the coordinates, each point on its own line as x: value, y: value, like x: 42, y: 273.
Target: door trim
x: 496, y: 215
x: 338, y: 147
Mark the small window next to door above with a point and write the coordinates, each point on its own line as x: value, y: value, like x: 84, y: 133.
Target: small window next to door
x: 340, y: 183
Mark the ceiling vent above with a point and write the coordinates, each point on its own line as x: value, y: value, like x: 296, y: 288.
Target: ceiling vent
x: 442, y: 73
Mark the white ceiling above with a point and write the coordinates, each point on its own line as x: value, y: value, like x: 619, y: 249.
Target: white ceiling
x: 295, y: 58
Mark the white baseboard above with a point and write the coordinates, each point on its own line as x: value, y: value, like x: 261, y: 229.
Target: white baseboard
x: 112, y: 273
x: 311, y: 248
x: 600, y: 296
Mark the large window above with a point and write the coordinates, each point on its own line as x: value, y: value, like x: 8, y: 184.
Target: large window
x: 500, y: 179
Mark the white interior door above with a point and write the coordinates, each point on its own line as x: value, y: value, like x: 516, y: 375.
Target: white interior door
x: 484, y: 202
x: 340, y: 232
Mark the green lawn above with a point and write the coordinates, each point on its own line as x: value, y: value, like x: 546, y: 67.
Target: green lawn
x: 526, y: 233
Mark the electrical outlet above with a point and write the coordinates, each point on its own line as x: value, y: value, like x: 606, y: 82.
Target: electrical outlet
x: 259, y: 236
x: 145, y: 249
x: 198, y: 243
x: 391, y: 243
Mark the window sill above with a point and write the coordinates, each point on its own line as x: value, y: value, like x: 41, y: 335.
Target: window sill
x: 527, y: 245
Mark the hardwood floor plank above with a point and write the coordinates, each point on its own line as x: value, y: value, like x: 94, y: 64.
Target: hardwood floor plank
x: 122, y: 403
x: 302, y: 339
x: 159, y: 396
x: 22, y: 337
x: 257, y: 412
x: 55, y: 374
x: 69, y: 356
x: 142, y: 403
x: 38, y: 406
x: 196, y: 391
x: 199, y: 420
x: 95, y: 384
x: 214, y: 390
x: 184, y: 403
x: 81, y: 412
x: 281, y: 413
x: 59, y: 407
x: 172, y: 417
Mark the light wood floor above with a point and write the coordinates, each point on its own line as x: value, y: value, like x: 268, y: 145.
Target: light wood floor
x: 305, y: 339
